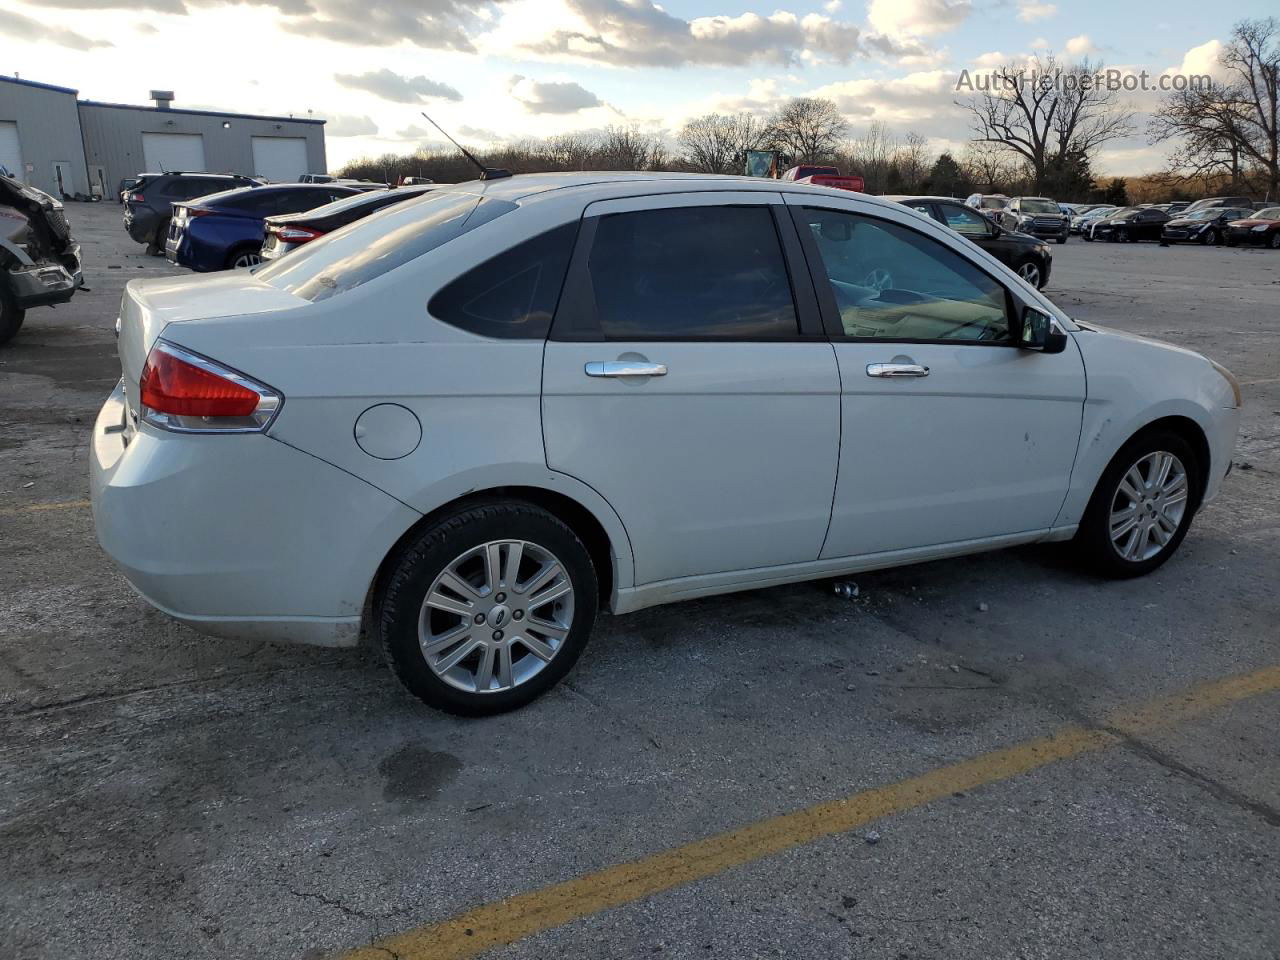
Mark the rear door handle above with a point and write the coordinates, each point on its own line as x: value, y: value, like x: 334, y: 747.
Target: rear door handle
x: 897, y: 370
x: 625, y: 368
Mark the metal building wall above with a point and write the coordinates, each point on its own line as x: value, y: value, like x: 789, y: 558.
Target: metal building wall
x: 48, y: 131
x: 113, y: 137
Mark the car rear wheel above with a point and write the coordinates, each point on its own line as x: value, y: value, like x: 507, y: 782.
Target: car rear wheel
x: 156, y: 247
x: 244, y: 257
x: 1030, y: 271
x: 486, y: 610
x: 10, y: 316
x: 1142, y: 507
x: 1274, y: 242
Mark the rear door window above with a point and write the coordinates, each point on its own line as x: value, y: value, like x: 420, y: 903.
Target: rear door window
x: 964, y: 221
x: 368, y: 248
x: 691, y: 272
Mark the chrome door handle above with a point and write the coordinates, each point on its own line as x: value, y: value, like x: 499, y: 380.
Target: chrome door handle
x: 625, y: 368
x: 897, y: 370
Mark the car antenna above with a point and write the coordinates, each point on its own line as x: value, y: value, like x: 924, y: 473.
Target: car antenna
x: 486, y: 173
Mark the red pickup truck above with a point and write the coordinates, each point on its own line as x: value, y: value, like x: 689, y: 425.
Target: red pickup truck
x: 821, y: 176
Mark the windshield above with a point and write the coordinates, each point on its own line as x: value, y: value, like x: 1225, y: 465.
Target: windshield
x: 1207, y: 213
x: 1101, y: 212
x: 368, y: 248
x: 1123, y: 212
x: 1037, y: 205
x: 1271, y: 213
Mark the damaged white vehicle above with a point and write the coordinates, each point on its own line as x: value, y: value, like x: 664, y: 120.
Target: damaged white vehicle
x: 39, y: 260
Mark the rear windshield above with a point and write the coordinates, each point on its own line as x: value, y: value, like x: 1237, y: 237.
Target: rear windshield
x: 1040, y: 206
x: 368, y: 248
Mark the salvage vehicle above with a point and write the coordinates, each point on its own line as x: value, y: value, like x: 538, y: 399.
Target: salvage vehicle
x: 39, y: 259
x: 485, y: 414
x: 1130, y: 225
x: 288, y: 231
x: 1261, y: 228
x: 1029, y: 257
x: 148, y: 203
x: 988, y: 204
x: 1038, y: 216
x: 224, y: 231
x: 1207, y: 226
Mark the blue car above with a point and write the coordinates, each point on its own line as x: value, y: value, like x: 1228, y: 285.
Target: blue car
x: 225, y: 230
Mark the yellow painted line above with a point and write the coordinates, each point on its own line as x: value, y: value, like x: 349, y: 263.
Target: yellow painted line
x: 506, y: 921
x: 42, y: 507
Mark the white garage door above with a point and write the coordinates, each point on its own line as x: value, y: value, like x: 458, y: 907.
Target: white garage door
x: 280, y: 159
x: 172, y: 151
x: 10, y: 149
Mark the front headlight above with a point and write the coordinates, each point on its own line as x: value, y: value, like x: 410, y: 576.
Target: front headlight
x: 1259, y: 228
x: 1235, y: 384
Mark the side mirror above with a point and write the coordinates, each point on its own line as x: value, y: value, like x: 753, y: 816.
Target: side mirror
x: 1040, y: 332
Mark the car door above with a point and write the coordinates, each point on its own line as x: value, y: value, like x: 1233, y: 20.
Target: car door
x: 950, y: 432
x: 689, y: 381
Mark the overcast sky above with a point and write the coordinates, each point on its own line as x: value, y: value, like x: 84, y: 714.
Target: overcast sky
x: 515, y: 68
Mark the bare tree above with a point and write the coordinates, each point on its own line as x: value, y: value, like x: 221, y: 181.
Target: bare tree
x: 627, y: 148
x: 1043, y: 111
x: 1207, y: 127
x: 913, y: 160
x: 807, y: 129
x: 871, y: 155
x: 717, y: 142
x: 988, y: 166
x: 1252, y: 60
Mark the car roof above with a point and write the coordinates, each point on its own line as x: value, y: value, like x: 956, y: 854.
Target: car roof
x: 631, y: 182
x: 917, y: 198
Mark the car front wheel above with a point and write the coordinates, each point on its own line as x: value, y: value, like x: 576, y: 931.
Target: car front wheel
x: 485, y: 610
x: 1142, y: 507
x: 1030, y: 271
x: 10, y: 316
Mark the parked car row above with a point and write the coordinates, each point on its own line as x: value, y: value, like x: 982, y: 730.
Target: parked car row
x: 1208, y: 225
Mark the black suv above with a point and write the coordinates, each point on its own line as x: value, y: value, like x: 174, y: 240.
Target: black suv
x: 146, y: 204
x: 1029, y: 257
x: 1038, y: 216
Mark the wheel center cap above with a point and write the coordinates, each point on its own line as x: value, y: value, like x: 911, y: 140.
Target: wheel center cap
x: 499, y: 615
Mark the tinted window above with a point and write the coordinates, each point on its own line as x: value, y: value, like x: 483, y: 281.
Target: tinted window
x: 691, y: 272
x: 1036, y: 205
x: 368, y: 248
x: 890, y: 282
x: 964, y: 221
x: 513, y: 294
x: 187, y: 188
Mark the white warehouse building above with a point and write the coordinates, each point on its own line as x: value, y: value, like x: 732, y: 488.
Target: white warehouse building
x: 65, y: 146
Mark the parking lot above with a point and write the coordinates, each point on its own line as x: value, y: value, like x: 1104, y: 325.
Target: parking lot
x: 996, y: 756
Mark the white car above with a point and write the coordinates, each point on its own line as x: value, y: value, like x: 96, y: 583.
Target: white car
x: 469, y: 421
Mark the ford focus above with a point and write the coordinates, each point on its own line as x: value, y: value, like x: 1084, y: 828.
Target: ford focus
x: 469, y: 422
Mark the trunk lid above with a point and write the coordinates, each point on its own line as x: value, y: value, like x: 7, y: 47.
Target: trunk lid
x: 149, y: 306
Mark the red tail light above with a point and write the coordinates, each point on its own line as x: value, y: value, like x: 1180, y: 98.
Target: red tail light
x: 136, y: 198
x: 296, y: 234
x: 186, y: 392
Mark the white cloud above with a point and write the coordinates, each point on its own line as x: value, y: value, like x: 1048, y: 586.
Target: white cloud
x: 552, y: 96
x: 917, y: 18
x: 392, y: 86
x: 35, y: 31
x: 1081, y: 46
x: 340, y: 125
x: 1201, y: 60
x: 832, y: 6
x: 1029, y: 11
x: 1039, y: 43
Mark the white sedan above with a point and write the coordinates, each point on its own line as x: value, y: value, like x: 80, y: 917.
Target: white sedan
x: 470, y: 421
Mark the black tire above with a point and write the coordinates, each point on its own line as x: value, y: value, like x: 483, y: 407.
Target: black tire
x: 10, y: 317
x: 1039, y: 281
x: 1274, y: 241
x: 156, y: 247
x: 1203, y: 239
x: 1062, y: 239
x: 1093, y: 539
x: 411, y: 571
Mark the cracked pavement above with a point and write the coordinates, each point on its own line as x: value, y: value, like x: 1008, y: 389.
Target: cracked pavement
x: 166, y: 794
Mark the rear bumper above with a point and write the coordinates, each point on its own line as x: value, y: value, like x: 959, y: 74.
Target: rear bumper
x: 240, y: 535
x: 46, y: 283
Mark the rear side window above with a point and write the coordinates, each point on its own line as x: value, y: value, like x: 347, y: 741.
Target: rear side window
x: 514, y: 294
x: 714, y: 271
x: 365, y: 250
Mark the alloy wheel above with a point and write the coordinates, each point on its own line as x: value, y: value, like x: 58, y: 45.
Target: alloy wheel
x: 246, y: 260
x: 496, y: 616
x: 1030, y: 273
x: 1148, y: 506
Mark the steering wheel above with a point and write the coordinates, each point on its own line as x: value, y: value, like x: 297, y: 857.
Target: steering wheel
x: 878, y: 279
